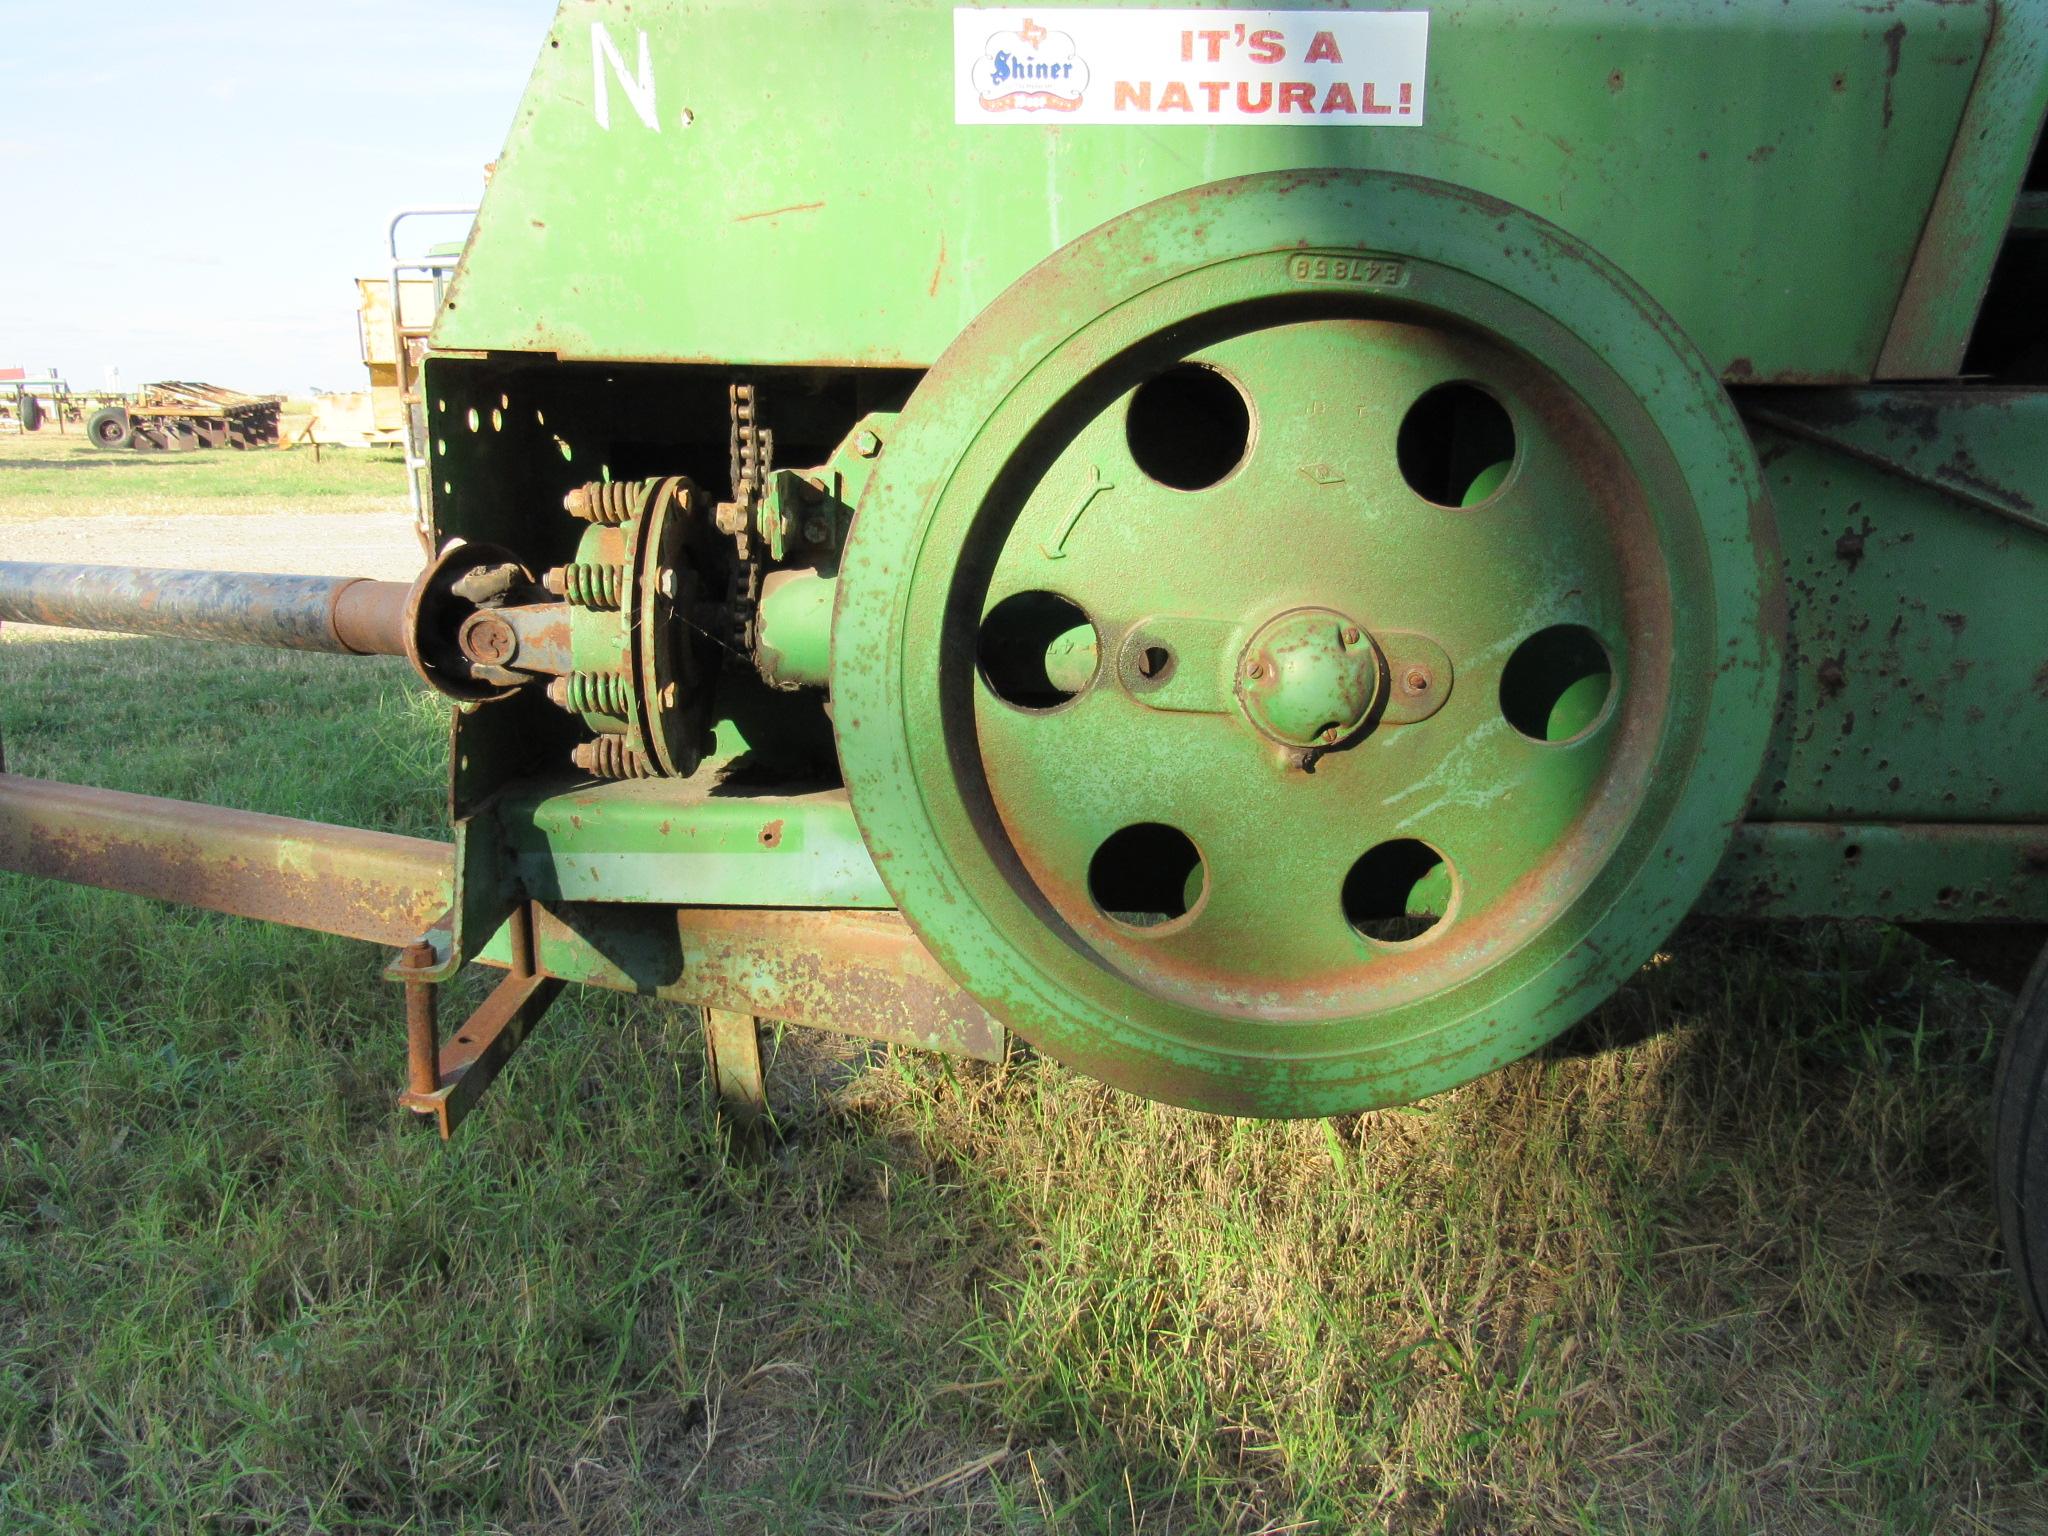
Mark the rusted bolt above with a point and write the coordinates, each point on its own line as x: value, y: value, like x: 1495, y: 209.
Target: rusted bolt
x: 866, y: 444
x: 1416, y: 680
x: 487, y: 639
x: 1351, y: 634
x: 1255, y: 671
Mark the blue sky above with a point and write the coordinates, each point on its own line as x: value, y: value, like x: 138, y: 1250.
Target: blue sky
x: 188, y: 191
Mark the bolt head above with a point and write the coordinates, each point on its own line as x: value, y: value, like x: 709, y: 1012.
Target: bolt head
x: 866, y: 444
x: 1352, y: 635
x: 667, y: 583
x: 817, y: 530
x: 1416, y: 680
x: 487, y: 639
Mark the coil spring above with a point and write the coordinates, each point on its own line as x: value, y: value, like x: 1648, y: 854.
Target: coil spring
x: 594, y: 693
x: 606, y: 502
x: 608, y: 757
x: 588, y: 584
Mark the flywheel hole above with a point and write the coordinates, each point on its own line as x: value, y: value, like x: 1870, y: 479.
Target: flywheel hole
x: 1398, y: 891
x: 1147, y: 875
x: 1456, y: 445
x: 1188, y: 427
x: 1036, y: 650
x: 1555, y: 686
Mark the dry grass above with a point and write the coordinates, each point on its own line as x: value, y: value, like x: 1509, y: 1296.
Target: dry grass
x: 1724, y: 1262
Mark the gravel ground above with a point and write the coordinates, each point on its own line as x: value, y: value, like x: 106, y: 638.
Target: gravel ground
x: 289, y: 543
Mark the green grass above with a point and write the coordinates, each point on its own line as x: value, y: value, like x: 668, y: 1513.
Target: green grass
x: 45, y: 474
x: 1726, y: 1264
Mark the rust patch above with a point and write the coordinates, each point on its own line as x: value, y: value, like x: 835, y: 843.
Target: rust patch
x: 1849, y: 547
x: 1894, y: 39
x: 362, y: 885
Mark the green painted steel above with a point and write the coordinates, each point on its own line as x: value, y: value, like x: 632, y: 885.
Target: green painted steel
x: 1365, y: 322
x: 784, y: 183
x: 796, y: 627
x: 1917, y: 675
x: 1930, y: 872
x: 1975, y: 207
x: 666, y: 842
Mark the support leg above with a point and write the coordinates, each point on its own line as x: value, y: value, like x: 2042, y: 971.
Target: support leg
x: 733, y: 1043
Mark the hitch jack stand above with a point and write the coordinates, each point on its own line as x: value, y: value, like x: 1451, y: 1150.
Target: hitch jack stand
x: 446, y: 1081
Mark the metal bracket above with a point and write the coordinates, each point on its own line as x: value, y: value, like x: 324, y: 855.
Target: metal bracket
x: 464, y: 1068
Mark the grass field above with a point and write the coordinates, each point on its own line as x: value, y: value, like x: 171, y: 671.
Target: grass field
x: 48, y: 474
x: 1721, y: 1263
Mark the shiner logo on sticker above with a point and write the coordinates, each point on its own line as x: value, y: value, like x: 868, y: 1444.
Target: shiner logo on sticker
x: 1032, y: 69
x: 1356, y: 69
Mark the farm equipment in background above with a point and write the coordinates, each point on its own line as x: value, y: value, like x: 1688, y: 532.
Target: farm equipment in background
x: 1285, y: 610
x: 31, y: 404
x: 175, y: 415
x: 395, y: 318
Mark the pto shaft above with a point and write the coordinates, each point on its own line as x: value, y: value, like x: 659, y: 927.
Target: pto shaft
x: 344, y: 614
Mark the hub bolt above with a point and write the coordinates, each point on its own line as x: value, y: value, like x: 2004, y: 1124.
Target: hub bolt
x: 1416, y: 680
x: 1351, y: 636
x: 487, y: 640
x: 866, y: 444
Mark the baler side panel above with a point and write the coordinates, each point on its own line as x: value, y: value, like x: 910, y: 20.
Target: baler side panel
x: 786, y: 185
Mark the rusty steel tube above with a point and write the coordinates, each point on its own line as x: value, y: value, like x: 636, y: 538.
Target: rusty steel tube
x: 422, y: 1030
x: 363, y: 885
x: 344, y: 614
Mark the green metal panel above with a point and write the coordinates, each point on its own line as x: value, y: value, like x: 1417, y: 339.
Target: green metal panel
x: 1942, y: 872
x: 1976, y: 206
x: 798, y: 191
x: 1917, y: 673
x: 681, y: 841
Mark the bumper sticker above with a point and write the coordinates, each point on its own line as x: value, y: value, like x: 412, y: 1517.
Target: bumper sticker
x: 1356, y: 69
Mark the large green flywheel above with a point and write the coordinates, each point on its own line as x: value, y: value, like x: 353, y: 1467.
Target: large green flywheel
x: 1307, y: 643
